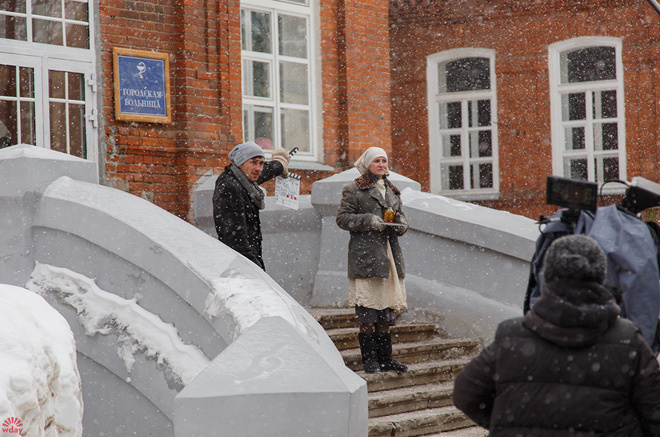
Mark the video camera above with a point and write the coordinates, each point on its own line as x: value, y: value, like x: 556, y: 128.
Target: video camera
x: 576, y: 196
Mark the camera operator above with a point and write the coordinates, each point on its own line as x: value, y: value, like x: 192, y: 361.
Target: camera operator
x: 631, y: 248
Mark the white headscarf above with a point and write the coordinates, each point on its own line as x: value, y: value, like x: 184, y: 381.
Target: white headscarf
x: 364, y: 161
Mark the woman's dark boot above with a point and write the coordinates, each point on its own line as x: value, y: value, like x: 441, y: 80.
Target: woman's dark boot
x: 384, y: 351
x: 369, y: 354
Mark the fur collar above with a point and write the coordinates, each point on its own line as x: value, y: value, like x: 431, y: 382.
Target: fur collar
x: 365, y: 182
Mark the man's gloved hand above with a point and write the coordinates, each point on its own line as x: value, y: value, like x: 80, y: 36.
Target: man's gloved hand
x: 377, y: 223
x: 400, y: 230
x: 280, y: 155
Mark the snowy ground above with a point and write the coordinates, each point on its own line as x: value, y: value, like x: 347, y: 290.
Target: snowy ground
x: 40, y: 391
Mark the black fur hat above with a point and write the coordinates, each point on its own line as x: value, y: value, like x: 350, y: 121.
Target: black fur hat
x: 575, y: 257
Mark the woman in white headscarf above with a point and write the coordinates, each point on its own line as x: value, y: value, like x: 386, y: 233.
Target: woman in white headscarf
x: 375, y: 261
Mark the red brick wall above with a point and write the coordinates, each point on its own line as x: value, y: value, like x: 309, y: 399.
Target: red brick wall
x: 162, y: 162
x: 520, y: 33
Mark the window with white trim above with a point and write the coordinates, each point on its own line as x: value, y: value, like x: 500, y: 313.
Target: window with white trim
x: 47, y: 79
x: 587, y: 101
x: 279, y: 86
x: 462, y: 110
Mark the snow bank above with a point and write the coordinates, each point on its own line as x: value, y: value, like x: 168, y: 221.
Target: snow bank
x: 137, y: 330
x: 40, y: 390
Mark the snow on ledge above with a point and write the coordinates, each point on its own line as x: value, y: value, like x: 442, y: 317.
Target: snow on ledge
x: 137, y: 330
x: 40, y: 389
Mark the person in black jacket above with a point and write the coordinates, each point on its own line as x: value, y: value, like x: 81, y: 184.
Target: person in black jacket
x: 571, y: 365
x: 237, y: 198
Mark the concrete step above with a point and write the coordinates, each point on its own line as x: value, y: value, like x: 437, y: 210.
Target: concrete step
x: 418, y: 423
x: 473, y: 431
x: 407, y: 399
x: 334, y: 318
x: 431, y: 349
x: 418, y: 374
x: 347, y: 338
x: 416, y: 403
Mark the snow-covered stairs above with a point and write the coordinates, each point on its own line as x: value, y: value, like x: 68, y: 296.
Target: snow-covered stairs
x: 416, y: 403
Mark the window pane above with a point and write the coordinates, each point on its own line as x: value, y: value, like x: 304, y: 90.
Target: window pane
x: 13, y: 27
x: 76, y: 86
x: 28, y: 133
x: 478, y: 113
x: 77, y: 130
x: 56, y: 84
x: 258, y: 125
x: 450, y: 115
x: 452, y: 177
x: 293, y: 83
x: 58, y: 127
x: 295, y: 129
x: 261, y: 33
x: 13, y: 6
x: 74, y: 10
x: 451, y: 146
x: 77, y: 36
x: 467, y: 74
x: 610, y: 169
x: 483, y: 112
x: 47, y: 32
x: 47, y: 8
x: 591, y: 64
x: 484, y: 175
x: 481, y: 144
x: 293, y: 36
x: 8, y: 123
x: 606, y: 136
x: 263, y: 128
x: 7, y: 80
x: 574, y: 106
x: 605, y: 104
x: 576, y: 168
x: 575, y: 138
x: 27, y: 82
x: 258, y: 85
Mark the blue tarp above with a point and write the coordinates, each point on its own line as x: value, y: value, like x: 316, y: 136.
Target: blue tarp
x: 632, y: 263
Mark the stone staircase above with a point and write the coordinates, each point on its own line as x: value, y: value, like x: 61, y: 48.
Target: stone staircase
x: 416, y: 403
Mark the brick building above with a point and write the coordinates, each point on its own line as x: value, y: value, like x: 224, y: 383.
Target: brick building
x: 490, y: 97
x: 303, y: 73
x: 476, y: 101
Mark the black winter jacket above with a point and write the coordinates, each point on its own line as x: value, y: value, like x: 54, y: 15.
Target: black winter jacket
x: 570, y: 367
x: 236, y: 216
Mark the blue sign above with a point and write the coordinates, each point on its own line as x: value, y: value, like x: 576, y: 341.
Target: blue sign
x: 142, y: 86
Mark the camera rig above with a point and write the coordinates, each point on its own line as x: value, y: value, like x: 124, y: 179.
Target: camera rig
x: 577, y: 196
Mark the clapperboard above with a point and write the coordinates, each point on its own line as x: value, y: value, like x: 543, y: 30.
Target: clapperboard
x: 287, y: 190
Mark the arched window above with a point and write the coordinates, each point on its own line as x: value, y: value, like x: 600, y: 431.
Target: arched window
x: 462, y: 123
x: 586, y: 91
x: 279, y: 47
x: 47, y: 75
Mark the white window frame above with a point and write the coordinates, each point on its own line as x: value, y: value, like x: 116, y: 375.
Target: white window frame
x: 557, y: 89
x: 45, y: 57
x: 311, y: 12
x: 435, y: 138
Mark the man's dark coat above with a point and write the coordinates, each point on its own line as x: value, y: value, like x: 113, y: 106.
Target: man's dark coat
x: 236, y: 216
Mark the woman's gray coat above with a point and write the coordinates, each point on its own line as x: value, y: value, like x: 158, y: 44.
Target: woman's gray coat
x: 367, y: 248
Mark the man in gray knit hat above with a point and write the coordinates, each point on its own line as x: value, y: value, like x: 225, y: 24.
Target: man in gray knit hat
x: 237, y: 198
x: 571, y: 365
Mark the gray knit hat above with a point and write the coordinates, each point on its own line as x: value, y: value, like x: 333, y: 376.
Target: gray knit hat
x: 575, y: 257
x: 242, y: 152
